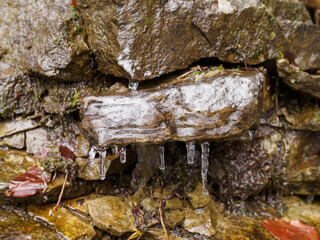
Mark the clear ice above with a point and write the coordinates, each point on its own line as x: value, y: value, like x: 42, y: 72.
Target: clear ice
x: 133, y: 85
x: 205, y: 148
x: 102, y: 156
x: 191, y: 150
x: 91, y: 155
x: 161, y: 154
x: 123, y: 155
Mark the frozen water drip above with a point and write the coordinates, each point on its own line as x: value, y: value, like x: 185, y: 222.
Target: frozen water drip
x: 91, y: 155
x: 161, y: 154
x: 123, y: 155
x: 102, y: 156
x: 191, y: 150
x: 205, y: 148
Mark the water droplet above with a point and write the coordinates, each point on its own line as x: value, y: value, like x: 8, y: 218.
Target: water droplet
x: 102, y: 156
x: 133, y: 85
x: 161, y: 154
x: 191, y: 150
x: 205, y: 148
x: 91, y: 155
x: 123, y: 155
x: 115, y: 149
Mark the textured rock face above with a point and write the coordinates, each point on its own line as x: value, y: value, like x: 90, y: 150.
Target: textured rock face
x: 297, y: 79
x: 44, y: 37
x: 285, y: 158
x: 143, y: 39
x: 216, y: 106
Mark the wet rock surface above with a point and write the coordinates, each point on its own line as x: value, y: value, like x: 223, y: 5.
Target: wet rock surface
x: 45, y: 37
x: 146, y: 44
x: 218, y: 105
x: 254, y: 129
x: 67, y: 223
x: 112, y: 214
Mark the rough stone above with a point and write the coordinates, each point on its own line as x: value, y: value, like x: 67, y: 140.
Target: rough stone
x: 174, y: 218
x: 112, y: 214
x: 297, y: 209
x: 202, y: 220
x: 18, y: 125
x: 141, y: 40
x: 217, y: 105
x: 14, y: 141
x: 17, y: 95
x: 83, y: 146
x: 38, y: 138
x: 174, y: 204
x: 289, y: 158
x: 45, y: 37
x: 68, y: 224
x: 14, y: 224
x: 297, y: 79
x: 233, y: 227
x: 198, y: 199
x: 148, y: 161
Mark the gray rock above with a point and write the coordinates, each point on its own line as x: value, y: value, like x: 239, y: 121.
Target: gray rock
x: 287, y: 159
x: 297, y: 79
x: 17, y: 125
x: 14, y: 141
x: 38, y: 138
x: 216, y: 105
x: 142, y: 40
x: 148, y: 163
x: 45, y: 37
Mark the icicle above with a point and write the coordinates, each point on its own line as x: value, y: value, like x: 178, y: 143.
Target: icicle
x: 115, y: 149
x: 133, y: 85
x: 205, y: 148
x: 161, y: 153
x: 191, y: 150
x: 102, y: 156
x: 92, y: 154
x: 123, y: 155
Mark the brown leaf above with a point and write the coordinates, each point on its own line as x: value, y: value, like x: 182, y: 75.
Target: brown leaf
x: 293, y: 230
x: 28, y: 183
x: 68, y: 149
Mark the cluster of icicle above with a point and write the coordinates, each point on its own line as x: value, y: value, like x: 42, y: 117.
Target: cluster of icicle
x: 191, y: 150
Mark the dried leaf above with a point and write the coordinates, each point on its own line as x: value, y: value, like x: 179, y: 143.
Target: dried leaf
x: 293, y: 230
x: 28, y: 183
x: 68, y: 149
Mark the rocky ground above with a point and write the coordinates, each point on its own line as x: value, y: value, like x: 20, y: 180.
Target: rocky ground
x: 222, y: 96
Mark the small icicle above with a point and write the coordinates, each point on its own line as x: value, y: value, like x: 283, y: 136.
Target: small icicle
x: 102, y: 156
x: 123, y: 155
x: 115, y: 149
x: 191, y: 150
x: 161, y: 153
x: 133, y: 85
x: 92, y: 154
x: 205, y: 148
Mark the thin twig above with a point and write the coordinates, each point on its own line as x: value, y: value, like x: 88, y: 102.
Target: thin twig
x: 160, y: 211
x: 52, y: 211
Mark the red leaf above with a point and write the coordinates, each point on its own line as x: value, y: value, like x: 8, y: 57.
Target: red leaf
x: 68, y: 149
x: 73, y: 3
x: 293, y: 230
x: 28, y: 183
